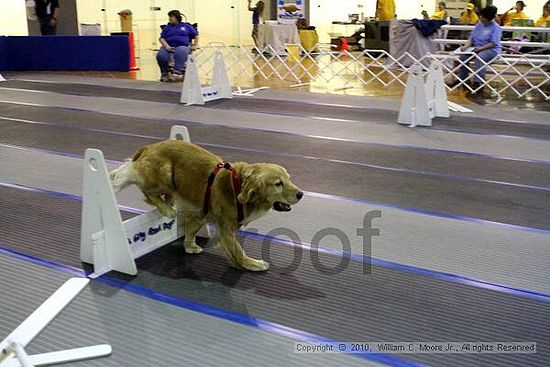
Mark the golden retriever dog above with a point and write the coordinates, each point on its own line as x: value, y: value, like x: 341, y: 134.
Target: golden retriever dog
x: 177, y: 173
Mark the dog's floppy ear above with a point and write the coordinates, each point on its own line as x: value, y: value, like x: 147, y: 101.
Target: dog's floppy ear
x: 252, y: 182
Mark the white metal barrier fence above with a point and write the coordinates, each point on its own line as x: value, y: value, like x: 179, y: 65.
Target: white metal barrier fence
x: 519, y: 74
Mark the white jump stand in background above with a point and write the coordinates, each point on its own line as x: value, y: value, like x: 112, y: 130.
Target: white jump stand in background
x: 194, y: 93
x: 12, y: 349
x: 414, y: 108
x: 2, y: 79
x: 436, y: 92
x: 106, y: 241
x: 422, y: 102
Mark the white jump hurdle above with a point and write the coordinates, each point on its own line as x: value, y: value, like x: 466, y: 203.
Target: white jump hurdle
x: 436, y: 92
x: 2, y: 79
x: 12, y: 349
x: 194, y: 93
x: 422, y: 102
x: 106, y: 241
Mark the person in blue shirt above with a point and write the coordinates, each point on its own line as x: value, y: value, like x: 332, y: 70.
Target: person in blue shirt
x: 485, y: 42
x: 177, y: 40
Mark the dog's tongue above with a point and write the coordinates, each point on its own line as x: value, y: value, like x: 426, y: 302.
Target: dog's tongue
x: 281, y: 207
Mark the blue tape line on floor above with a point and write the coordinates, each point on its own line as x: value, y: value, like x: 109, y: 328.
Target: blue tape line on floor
x: 201, y: 308
x: 410, y: 269
x: 292, y: 155
x: 353, y: 256
x: 365, y: 201
x: 313, y: 136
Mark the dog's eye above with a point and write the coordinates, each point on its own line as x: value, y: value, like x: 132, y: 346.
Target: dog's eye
x: 279, y: 183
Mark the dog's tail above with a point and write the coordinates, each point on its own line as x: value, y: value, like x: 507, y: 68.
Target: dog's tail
x: 123, y: 176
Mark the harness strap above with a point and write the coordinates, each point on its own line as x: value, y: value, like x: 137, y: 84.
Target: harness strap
x: 236, y: 188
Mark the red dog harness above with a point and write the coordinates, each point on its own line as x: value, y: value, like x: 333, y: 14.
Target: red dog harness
x: 236, y: 188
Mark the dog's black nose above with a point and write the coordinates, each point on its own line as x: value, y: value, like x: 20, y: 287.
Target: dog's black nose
x: 299, y: 195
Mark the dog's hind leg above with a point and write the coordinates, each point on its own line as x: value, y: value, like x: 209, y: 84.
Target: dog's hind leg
x: 190, y: 227
x: 158, y: 201
x: 237, y: 257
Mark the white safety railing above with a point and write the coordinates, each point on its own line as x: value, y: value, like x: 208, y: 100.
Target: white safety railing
x: 519, y: 74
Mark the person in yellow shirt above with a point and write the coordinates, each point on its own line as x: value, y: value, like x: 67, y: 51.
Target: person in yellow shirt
x: 468, y: 17
x: 545, y: 18
x: 518, y: 14
x: 440, y: 13
x: 385, y: 9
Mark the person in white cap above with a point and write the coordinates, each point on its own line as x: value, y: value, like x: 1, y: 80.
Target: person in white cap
x: 469, y: 16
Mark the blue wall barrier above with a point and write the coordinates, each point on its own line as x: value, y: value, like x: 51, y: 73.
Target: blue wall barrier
x: 3, y: 51
x: 65, y: 53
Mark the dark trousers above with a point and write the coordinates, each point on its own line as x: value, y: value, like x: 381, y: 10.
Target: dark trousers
x: 45, y: 28
x: 486, y: 55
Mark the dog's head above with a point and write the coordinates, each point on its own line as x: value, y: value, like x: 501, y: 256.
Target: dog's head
x: 269, y: 183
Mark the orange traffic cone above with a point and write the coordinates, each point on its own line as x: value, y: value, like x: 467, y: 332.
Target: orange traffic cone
x: 132, y: 52
x: 344, y: 44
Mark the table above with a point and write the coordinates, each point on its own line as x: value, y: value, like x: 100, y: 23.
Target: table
x: 276, y: 36
x: 348, y: 28
x: 405, y: 37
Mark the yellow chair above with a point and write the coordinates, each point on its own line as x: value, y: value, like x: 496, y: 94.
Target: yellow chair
x: 308, y: 39
x: 293, y: 52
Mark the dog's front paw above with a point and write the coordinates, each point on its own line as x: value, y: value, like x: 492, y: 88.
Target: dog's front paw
x: 192, y: 248
x: 256, y: 265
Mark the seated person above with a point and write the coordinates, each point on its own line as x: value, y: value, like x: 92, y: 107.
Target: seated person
x: 507, y: 18
x: 440, y: 13
x: 175, y: 38
x: 308, y: 35
x: 545, y: 18
x: 486, y: 42
x: 468, y: 17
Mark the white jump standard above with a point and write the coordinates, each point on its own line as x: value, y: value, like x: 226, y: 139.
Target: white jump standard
x: 194, y: 93
x: 422, y: 102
